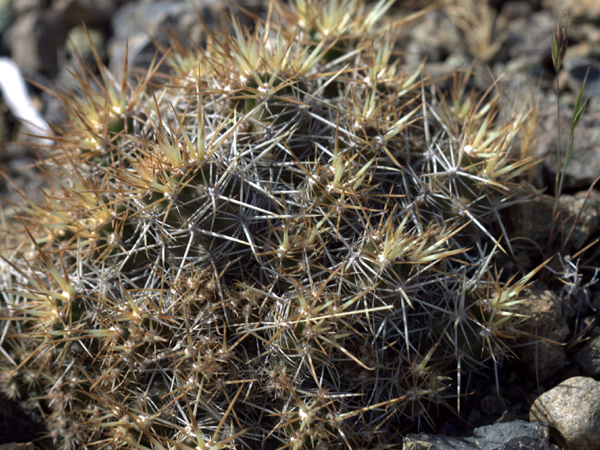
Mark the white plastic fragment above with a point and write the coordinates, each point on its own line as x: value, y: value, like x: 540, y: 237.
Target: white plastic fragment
x: 14, y: 93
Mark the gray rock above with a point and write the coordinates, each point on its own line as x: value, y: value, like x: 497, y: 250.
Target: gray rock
x: 586, y: 33
x: 525, y: 52
x: 436, y: 442
x: 513, y: 10
x: 33, y: 40
x: 437, y: 39
x: 25, y: 177
x: 589, y: 357
x: 90, y: 12
x: 83, y: 40
x: 5, y: 14
x: 580, y: 217
x: 585, y: 161
x: 517, y: 435
x: 543, y: 353
x: 575, y: 71
x: 18, y: 446
x: 21, y: 7
x: 535, y: 44
x: 136, y: 23
x: 578, y: 10
x: 572, y: 409
x: 531, y: 219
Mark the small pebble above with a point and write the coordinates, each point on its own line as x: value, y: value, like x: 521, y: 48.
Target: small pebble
x: 589, y: 357
x: 573, y: 409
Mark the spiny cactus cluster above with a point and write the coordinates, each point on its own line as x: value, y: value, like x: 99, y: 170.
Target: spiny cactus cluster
x: 288, y: 243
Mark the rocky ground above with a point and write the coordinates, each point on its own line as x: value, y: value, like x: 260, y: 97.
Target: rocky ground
x: 509, y: 41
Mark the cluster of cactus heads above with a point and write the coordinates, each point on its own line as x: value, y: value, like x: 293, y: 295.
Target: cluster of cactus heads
x: 290, y: 242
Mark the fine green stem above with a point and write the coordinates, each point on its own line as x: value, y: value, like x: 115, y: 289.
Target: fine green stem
x: 558, y: 152
x: 561, y: 169
x: 558, y: 173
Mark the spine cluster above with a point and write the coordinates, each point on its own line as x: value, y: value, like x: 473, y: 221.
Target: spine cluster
x: 288, y: 243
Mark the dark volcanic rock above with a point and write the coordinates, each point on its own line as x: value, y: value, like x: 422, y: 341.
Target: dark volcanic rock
x: 517, y: 435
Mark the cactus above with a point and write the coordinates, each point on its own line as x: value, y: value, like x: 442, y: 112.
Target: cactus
x: 288, y: 243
